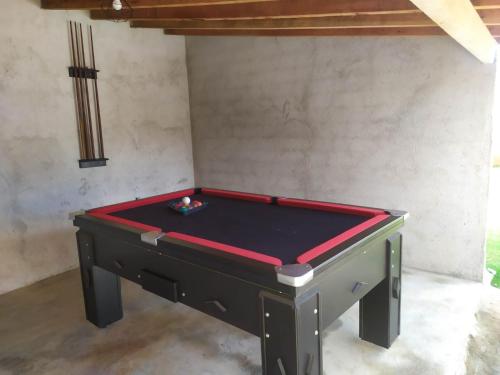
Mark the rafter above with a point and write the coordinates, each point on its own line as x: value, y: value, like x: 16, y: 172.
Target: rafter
x: 137, y: 4
x: 328, y: 22
x: 465, y: 20
x: 368, y: 31
x: 489, y: 17
x: 282, y: 9
x: 486, y: 4
x: 274, y: 9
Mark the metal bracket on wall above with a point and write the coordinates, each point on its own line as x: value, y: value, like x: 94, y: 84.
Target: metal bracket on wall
x: 76, y: 72
x: 84, y: 163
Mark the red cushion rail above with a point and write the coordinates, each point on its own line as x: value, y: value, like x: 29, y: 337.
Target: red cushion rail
x: 226, y: 248
x: 142, y: 202
x: 119, y: 220
x: 333, y: 207
x: 328, y: 245
x: 237, y: 195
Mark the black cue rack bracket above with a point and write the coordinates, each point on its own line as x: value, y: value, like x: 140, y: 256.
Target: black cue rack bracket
x: 91, y: 163
x: 87, y: 73
x: 88, y: 113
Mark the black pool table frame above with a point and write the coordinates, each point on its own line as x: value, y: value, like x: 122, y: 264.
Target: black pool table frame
x: 288, y: 317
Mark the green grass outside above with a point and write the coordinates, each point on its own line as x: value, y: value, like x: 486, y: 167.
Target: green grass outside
x: 493, y: 256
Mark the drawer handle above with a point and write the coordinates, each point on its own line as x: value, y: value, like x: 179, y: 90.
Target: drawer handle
x: 358, y: 286
x: 219, y: 305
x: 88, y: 279
x: 118, y: 264
x: 396, y: 288
x: 310, y: 363
x: 281, y: 367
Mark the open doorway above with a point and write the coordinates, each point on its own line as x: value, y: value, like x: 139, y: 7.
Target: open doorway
x: 493, y: 234
x: 493, y: 239
x: 493, y: 227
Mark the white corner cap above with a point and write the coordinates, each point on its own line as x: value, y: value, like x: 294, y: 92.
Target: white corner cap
x: 74, y: 214
x: 152, y: 237
x: 295, y: 274
x: 404, y: 214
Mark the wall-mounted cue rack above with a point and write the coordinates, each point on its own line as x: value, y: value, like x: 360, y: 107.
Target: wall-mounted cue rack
x: 86, y: 114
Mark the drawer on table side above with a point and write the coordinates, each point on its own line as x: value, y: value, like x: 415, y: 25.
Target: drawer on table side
x: 225, y: 297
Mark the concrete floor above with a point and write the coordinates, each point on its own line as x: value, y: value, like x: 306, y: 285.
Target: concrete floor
x: 446, y: 329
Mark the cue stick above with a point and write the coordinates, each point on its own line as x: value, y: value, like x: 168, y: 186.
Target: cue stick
x: 81, y: 127
x: 86, y: 97
x: 98, y: 124
x: 79, y: 77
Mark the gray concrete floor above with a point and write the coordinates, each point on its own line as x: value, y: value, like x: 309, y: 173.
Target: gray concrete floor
x: 449, y: 326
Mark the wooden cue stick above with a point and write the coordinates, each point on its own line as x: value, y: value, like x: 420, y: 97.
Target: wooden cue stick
x: 86, y: 93
x: 81, y: 128
x: 78, y: 73
x: 89, y: 111
x: 86, y: 102
x: 100, y: 143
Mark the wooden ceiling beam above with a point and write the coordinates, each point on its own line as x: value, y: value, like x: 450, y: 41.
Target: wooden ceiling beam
x: 328, y: 22
x: 137, y: 4
x: 369, y: 31
x: 462, y: 22
x: 490, y: 17
x: 494, y: 30
x: 274, y: 9
x: 281, y: 9
x: 486, y: 4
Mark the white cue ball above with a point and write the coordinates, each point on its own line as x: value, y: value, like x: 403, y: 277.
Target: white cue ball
x: 186, y: 201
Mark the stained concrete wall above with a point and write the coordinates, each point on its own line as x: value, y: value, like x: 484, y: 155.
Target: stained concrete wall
x: 400, y: 122
x: 145, y: 112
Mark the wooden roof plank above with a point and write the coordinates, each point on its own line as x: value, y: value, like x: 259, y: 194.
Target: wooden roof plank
x: 274, y: 9
x: 369, y: 31
x: 489, y: 17
x: 327, y: 22
x: 280, y: 9
x: 137, y: 4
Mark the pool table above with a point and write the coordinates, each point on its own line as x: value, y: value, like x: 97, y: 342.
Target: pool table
x: 280, y: 268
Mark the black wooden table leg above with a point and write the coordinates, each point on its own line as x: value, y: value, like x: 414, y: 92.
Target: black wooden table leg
x: 291, y: 336
x: 101, y: 289
x: 379, y: 310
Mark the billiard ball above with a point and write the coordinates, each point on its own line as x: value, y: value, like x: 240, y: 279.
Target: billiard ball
x: 186, y: 201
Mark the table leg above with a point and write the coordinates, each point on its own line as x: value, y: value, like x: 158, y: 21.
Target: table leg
x: 101, y: 289
x: 291, y: 335
x: 380, y: 309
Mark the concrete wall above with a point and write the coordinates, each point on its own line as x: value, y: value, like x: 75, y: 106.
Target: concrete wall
x: 145, y: 111
x: 391, y: 122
